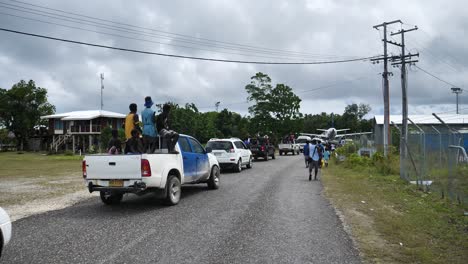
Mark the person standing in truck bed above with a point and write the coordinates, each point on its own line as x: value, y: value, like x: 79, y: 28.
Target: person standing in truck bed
x: 149, y: 131
x: 131, y: 121
x: 169, y: 137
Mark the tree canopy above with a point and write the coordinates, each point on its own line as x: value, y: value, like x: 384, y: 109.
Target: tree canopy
x: 21, y: 108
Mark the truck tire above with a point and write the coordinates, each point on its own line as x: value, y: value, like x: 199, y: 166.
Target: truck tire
x: 273, y: 156
x: 173, y: 190
x: 109, y: 198
x: 293, y: 153
x: 213, y: 181
x: 250, y: 164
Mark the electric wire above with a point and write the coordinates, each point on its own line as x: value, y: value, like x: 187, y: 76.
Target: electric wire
x: 138, y: 39
x: 434, y: 76
x: 182, y: 56
x: 186, y: 39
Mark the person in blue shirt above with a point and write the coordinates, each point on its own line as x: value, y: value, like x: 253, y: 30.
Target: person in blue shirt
x: 314, y: 159
x: 326, y: 157
x: 306, y: 153
x: 149, y: 130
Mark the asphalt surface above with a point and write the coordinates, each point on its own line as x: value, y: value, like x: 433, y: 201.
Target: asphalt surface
x: 268, y: 214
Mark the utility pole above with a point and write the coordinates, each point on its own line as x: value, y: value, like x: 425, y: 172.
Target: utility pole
x: 457, y: 91
x: 217, y: 105
x: 404, y: 86
x: 386, y: 137
x: 102, y: 88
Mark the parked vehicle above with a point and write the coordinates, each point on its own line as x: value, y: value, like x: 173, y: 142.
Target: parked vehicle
x: 5, y: 229
x: 160, y: 173
x: 231, y: 153
x: 261, y: 147
x: 301, y: 141
x: 289, y: 146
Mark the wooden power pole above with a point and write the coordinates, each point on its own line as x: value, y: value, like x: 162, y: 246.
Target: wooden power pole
x: 386, y: 132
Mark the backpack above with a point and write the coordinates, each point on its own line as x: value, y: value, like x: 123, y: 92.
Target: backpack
x: 306, y: 149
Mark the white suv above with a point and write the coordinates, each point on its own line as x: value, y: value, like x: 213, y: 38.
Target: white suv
x: 231, y: 153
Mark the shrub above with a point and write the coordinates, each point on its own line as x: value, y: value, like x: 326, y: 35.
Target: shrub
x: 68, y: 153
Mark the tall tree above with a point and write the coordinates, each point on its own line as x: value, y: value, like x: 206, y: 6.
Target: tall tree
x: 21, y: 108
x: 273, y: 108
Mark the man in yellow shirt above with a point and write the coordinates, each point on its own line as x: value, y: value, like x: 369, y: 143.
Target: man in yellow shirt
x: 131, y: 121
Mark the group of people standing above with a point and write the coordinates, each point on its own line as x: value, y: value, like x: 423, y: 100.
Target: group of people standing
x: 146, y: 136
x: 314, y: 154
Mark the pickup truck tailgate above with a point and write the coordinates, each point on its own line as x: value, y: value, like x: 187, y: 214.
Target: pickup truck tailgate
x: 110, y: 167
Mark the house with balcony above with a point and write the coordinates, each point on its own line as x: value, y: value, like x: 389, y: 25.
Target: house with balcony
x: 79, y: 130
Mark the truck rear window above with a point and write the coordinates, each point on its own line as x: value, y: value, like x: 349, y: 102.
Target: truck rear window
x: 220, y: 145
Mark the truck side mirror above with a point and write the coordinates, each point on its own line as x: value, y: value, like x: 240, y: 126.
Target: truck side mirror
x: 208, y: 150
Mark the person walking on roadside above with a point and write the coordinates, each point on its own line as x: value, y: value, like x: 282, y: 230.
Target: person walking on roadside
x: 314, y: 159
x: 326, y: 156
x: 169, y: 137
x: 306, y: 153
x: 149, y: 130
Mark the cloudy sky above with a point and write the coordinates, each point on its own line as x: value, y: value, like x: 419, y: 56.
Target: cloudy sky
x: 262, y: 30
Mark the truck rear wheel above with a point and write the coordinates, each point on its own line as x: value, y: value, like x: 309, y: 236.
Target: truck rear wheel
x: 173, y: 190
x: 213, y: 181
x: 110, y: 198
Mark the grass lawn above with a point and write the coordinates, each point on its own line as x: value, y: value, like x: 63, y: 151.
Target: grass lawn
x: 393, y: 222
x: 30, y: 176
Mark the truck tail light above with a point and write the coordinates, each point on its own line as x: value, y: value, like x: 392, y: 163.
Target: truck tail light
x: 263, y: 148
x: 145, y: 168
x: 83, y: 168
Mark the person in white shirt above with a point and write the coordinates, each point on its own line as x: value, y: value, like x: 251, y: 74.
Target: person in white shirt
x: 314, y: 159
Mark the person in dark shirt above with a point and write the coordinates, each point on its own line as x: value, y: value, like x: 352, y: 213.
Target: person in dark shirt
x: 169, y: 137
x: 115, y: 145
x: 134, y: 144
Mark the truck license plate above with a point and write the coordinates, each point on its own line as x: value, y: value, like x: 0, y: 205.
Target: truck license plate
x: 116, y: 183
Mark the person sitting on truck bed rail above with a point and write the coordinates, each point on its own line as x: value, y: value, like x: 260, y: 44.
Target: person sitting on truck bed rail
x: 134, y: 144
x: 149, y: 131
x: 170, y: 137
x: 115, y: 145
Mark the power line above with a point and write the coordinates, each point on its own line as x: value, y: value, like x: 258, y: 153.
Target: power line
x: 299, y: 92
x: 185, y: 38
x: 182, y: 56
x: 430, y: 74
x: 137, y: 39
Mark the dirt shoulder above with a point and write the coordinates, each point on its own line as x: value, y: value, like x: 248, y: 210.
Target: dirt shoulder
x: 32, y: 183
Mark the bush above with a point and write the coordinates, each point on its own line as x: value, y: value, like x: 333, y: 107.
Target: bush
x: 355, y: 161
x: 68, y: 153
x: 386, y: 165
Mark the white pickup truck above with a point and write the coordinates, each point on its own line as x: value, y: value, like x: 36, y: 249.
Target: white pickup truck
x: 160, y: 173
x: 289, y: 146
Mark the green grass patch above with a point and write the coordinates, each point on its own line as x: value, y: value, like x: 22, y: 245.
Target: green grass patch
x: 28, y: 176
x: 384, y: 211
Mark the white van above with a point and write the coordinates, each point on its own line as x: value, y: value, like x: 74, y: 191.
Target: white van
x: 301, y: 140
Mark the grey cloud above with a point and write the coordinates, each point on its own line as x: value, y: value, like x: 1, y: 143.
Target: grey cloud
x: 71, y: 72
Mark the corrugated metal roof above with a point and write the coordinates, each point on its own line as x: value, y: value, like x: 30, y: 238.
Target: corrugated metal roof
x: 84, y: 115
x: 425, y: 119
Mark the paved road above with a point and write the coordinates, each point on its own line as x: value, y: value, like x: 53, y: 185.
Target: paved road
x: 268, y: 214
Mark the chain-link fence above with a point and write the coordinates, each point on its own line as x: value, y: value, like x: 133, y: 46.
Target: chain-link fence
x: 436, y: 160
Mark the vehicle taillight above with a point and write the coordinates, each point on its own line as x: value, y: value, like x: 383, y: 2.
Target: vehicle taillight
x: 145, y: 168
x: 83, y: 168
x: 263, y: 148
x: 232, y: 151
